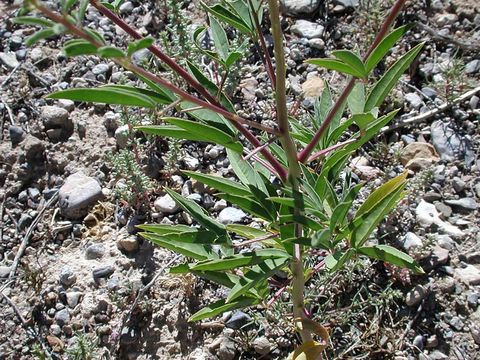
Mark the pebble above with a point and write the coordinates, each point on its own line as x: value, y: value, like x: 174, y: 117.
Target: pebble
x: 191, y: 163
x: 469, y: 275
x: 127, y: 243
x: 418, y: 156
x: 458, y: 184
x: 472, y: 300
x: 73, y: 298
x: 95, y: 251
x: 4, y: 271
x: 62, y: 317
x: 77, y: 194
x: 231, y: 215
x: 103, y: 272
x: 100, y: 69
x: 262, y: 345
x: 16, y: 134
x: 227, y: 350
x: 237, y: 320
x: 67, y: 276
x: 307, y: 29
x: 165, y: 204
x: 418, y: 342
x: 410, y: 241
x: 427, y: 215
x: 475, y: 331
x: 58, y: 125
x: 9, y: 60
x: 448, y: 143
x: 415, y: 296
x: 299, y: 7
x: 463, y: 205
x: 122, y: 134
x: 445, y: 241
x: 414, y: 100
x: 473, y: 257
x: 472, y: 66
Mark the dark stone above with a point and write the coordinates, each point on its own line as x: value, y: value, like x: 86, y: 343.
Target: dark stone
x: 103, y: 272
x: 16, y: 134
x: 238, y: 320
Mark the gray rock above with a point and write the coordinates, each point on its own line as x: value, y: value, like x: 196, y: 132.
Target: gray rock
x: 231, y: 215
x: 103, y: 272
x: 299, y: 7
x: 418, y: 341
x: 472, y: 300
x: 73, y: 298
x: 126, y: 8
x: 472, y: 67
x: 9, y: 60
x: 456, y: 323
x: 166, y: 205
x: 445, y: 241
x: 262, y: 345
x: 449, y: 145
x: 469, y: 275
x: 58, y: 125
x: 100, y: 69
x: 428, y: 91
x: 410, y: 241
x: 95, y: 251
x: 191, y: 163
x: 437, y: 355
x: 475, y: 331
x: 66, y: 104
x: 16, y: 134
x: 445, y: 210
x: 227, y: 350
x: 348, y: 3
x: 77, y: 194
x: 307, y: 29
x: 219, y: 205
x: 414, y: 100
x: 416, y: 295
x: 473, y: 257
x: 474, y: 100
x: 427, y: 215
x: 237, y: 320
x: 4, y: 271
x: 122, y: 134
x: 127, y: 243
x: 464, y: 205
x: 67, y: 276
x: 24, y: 221
x: 458, y: 184
x: 62, y: 317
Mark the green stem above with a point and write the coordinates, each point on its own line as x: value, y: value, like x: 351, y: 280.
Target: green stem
x: 294, y: 170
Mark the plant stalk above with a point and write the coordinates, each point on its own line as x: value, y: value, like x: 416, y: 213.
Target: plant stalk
x: 305, y: 153
x: 294, y: 170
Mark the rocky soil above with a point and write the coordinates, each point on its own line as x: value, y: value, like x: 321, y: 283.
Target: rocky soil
x: 76, y: 281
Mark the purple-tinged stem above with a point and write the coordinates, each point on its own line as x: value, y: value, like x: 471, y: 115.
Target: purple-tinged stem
x: 329, y: 149
x: 305, y: 153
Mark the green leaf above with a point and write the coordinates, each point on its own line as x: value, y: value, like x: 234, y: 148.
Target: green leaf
x: 352, y: 60
x: 363, y: 120
x: 195, y: 251
x: 94, y: 34
x: 82, y: 8
x: 198, y: 236
x: 39, y: 35
x: 391, y: 255
x: 78, y: 47
x: 112, y: 94
x: 228, y: 16
x: 240, y: 260
x: 219, y: 38
x: 254, y: 276
x: 164, y: 229
x: 246, y: 231
x: 336, y: 65
x: 198, y: 214
x: 31, y: 20
x: 245, y: 172
x: 390, y: 78
x: 341, y: 210
x: 335, y: 261
x: 222, y: 306
x: 208, y: 133
x: 321, y: 239
x: 219, y: 183
x: 110, y: 52
x: 356, y: 99
x: 209, y: 117
x: 232, y: 58
x: 384, y: 47
x: 248, y: 204
x: 140, y: 44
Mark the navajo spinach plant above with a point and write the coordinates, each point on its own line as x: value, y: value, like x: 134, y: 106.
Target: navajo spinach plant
x: 298, y: 183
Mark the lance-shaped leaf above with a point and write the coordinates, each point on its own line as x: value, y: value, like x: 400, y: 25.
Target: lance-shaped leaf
x: 390, y: 78
x: 240, y: 260
x: 195, y: 251
x: 31, y: 20
x: 209, y: 133
x: 352, y: 60
x: 336, y: 65
x: 245, y: 172
x: 335, y: 261
x: 165, y: 229
x: 198, y: 214
x: 222, y: 306
x: 219, y: 38
x: 321, y: 239
x: 40, y: 35
x: 341, y: 210
x: 224, y: 14
x: 248, y: 204
x: 254, y: 276
x: 392, y: 256
x: 246, y: 231
x: 198, y: 236
x: 219, y: 183
x: 356, y: 99
x: 384, y: 47
x: 138, y: 45
x: 112, y: 94
x: 110, y: 52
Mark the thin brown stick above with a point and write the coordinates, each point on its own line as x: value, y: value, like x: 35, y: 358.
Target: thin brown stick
x: 436, y: 35
x: 29, y: 232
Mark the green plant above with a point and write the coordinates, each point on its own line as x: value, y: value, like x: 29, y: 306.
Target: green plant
x: 309, y: 207
x: 84, y: 348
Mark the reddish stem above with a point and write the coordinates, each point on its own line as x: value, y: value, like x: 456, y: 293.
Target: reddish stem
x: 305, y: 153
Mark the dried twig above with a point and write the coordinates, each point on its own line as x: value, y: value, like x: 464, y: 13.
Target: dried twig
x: 7, y: 79
x: 435, y: 34
x: 429, y: 114
x: 29, y: 232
